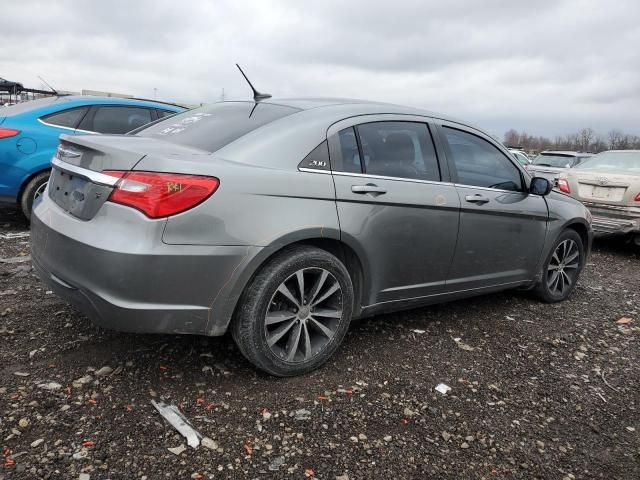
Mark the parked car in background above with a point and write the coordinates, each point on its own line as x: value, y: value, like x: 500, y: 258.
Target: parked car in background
x: 283, y: 220
x: 11, y: 87
x: 520, y: 156
x: 551, y: 163
x: 29, y: 134
x: 609, y: 185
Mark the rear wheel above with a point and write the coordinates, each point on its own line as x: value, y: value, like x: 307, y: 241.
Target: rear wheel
x: 295, y: 313
x: 562, y: 268
x: 34, y: 187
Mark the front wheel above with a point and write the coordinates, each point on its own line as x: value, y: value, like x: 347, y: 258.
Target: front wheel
x: 562, y: 268
x: 295, y: 313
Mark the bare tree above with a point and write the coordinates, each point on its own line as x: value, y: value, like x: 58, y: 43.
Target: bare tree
x: 511, y: 137
x: 615, y: 139
x: 585, y: 137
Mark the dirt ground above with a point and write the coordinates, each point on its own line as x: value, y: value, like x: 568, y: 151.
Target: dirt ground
x: 537, y: 391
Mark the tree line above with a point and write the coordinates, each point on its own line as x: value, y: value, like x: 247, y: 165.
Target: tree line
x: 586, y: 140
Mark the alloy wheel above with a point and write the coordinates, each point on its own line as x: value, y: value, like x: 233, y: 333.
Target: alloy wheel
x: 303, y: 315
x: 562, y: 271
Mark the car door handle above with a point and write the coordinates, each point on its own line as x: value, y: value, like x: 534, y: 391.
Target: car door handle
x: 368, y: 188
x: 477, y: 198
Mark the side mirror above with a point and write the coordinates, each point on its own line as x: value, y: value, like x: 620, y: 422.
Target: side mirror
x: 540, y: 186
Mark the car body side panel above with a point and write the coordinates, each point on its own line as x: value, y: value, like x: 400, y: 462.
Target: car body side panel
x: 564, y: 212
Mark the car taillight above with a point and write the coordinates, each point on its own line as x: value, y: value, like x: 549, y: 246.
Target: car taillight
x: 8, y: 132
x: 637, y: 199
x: 160, y: 195
x: 563, y: 185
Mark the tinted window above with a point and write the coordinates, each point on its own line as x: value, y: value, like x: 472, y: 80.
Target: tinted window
x: 398, y: 149
x: 164, y: 113
x: 343, y: 149
x: 213, y: 126
x: 114, y: 119
x: 479, y: 163
x: 67, y: 118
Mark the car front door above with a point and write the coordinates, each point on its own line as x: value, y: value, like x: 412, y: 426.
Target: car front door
x: 502, y: 226
x: 395, y: 205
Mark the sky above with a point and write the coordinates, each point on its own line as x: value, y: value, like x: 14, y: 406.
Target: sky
x: 548, y: 67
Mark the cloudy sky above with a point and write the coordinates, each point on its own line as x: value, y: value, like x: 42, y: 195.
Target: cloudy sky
x: 546, y: 66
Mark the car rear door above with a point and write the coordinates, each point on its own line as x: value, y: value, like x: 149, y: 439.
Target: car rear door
x: 502, y: 226
x: 395, y: 204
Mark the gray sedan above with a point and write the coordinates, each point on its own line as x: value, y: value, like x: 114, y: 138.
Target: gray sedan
x: 281, y: 221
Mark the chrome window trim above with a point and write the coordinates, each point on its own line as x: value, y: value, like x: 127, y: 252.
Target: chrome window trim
x: 65, y: 128
x: 377, y: 177
x: 464, y: 185
x: 95, y: 177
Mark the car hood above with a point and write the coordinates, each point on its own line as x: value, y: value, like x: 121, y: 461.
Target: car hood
x: 603, y: 187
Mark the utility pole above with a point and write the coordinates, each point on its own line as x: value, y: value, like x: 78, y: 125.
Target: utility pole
x: 155, y: 93
x: 222, y: 95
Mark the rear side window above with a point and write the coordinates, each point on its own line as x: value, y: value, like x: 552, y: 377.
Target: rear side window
x: 398, y: 149
x: 118, y: 120
x: 164, y: 113
x: 478, y: 163
x: 213, y: 126
x: 67, y: 118
x: 344, y: 152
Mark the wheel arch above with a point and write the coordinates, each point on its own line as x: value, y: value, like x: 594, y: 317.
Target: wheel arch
x: 224, y: 313
x: 28, y: 179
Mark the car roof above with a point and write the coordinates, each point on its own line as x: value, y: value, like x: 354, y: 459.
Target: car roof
x: 350, y: 107
x: 54, y: 103
x: 566, y: 153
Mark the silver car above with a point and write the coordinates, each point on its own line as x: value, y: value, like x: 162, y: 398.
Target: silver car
x: 550, y: 164
x: 281, y: 221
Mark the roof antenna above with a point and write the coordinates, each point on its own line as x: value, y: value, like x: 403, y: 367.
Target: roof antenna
x: 55, y: 92
x: 257, y: 96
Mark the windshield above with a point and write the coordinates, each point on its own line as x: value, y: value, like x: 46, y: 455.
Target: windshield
x: 613, y: 162
x: 213, y: 126
x: 551, y: 160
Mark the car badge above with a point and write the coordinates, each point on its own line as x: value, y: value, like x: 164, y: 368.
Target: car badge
x: 602, y: 180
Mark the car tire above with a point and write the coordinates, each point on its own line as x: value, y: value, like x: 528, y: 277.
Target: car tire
x: 29, y: 193
x: 561, y: 268
x: 286, y: 333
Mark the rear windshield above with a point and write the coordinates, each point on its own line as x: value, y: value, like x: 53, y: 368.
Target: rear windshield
x: 213, y: 126
x: 613, y: 162
x: 558, y: 161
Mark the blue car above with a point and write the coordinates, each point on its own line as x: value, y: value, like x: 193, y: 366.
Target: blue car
x: 29, y: 135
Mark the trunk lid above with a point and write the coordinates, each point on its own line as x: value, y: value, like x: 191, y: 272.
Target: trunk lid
x: 77, y: 183
x: 598, y: 187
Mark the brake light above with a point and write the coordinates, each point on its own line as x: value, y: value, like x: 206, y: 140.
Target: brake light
x: 8, y: 132
x: 563, y: 185
x: 158, y: 194
x: 637, y: 199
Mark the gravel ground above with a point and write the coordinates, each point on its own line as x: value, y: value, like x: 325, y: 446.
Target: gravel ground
x: 537, y: 391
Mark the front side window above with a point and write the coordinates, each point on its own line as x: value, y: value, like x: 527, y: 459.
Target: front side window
x: 67, y: 118
x: 480, y: 164
x: 119, y: 120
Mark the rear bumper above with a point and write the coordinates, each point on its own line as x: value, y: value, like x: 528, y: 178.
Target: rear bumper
x: 120, y: 274
x: 610, y: 219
